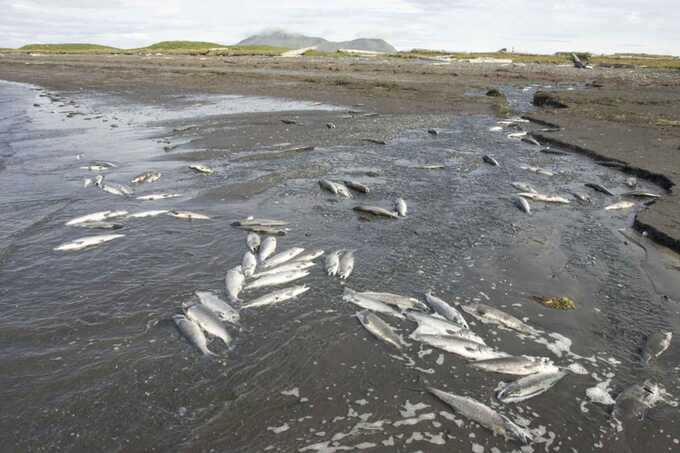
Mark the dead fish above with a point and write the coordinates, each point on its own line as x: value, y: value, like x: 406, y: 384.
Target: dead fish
x: 277, y: 296
x: 96, y: 217
x: 522, y: 204
x: 276, y: 279
x: 329, y: 186
x: 430, y: 167
x: 554, y: 152
x: 144, y: 214
x: 487, y: 314
x: 483, y: 415
x: 444, y: 309
x: 523, y: 187
x: 282, y: 257
x: 101, y: 225
x: 544, y: 198
x: 267, y: 248
x: 225, y: 311
x: 208, y: 321
x: 529, y: 386
x: 291, y: 266
x: 148, y: 176
x: 346, y: 265
x: 640, y: 194
x: 401, y: 302
x: 374, y: 141
x: 248, y: 264
x: 582, y: 197
x: 490, y: 160
x: 379, y: 328
x: 203, y: 169
x: 86, y: 242
x: 252, y: 221
x: 620, y: 205
x: 234, y: 281
x: 115, y: 188
x: 356, y: 186
x: 158, y: 196
x: 193, y: 333
x: 636, y: 400
x: 456, y: 345
x: 656, y: 345
x: 333, y: 262
x: 253, y: 242
x: 188, y: 215
x: 377, y: 211
x: 518, y: 366
x: 400, y: 207
x: 310, y: 255
x: 330, y: 125
x: 530, y: 140
x: 87, y: 182
x: 269, y: 231
x: 435, y: 325
x: 517, y: 134
x: 342, y: 190
x: 537, y: 170
x: 631, y: 182
x: 367, y: 303
x: 287, y: 121
x: 599, y: 188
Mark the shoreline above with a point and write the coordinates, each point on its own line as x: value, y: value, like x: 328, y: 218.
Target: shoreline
x: 636, y: 129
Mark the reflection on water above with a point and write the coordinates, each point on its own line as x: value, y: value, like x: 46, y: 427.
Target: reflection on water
x: 92, y: 360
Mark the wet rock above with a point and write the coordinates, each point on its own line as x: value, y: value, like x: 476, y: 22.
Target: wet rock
x: 545, y: 99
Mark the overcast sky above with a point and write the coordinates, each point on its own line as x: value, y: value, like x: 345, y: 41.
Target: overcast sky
x: 651, y: 26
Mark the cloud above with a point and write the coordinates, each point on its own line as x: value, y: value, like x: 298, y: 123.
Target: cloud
x: 546, y: 26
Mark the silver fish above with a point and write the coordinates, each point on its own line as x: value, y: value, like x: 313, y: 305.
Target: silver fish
x: 529, y: 386
x: 234, y: 281
x: 523, y: 187
x: 96, y: 217
x: 641, y: 194
x: 158, y: 196
x: 537, y: 170
x: 276, y: 279
x: 346, y: 265
x: 204, y: 169
x: 267, y: 248
x: 620, y: 205
x: 225, y: 311
x: 531, y: 140
x: 252, y: 221
x: 430, y: 329
x: 445, y: 310
x: 277, y: 296
x: 188, y: 215
x: 193, y: 333
x: 101, y: 225
x: 522, y: 204
x: 342, y: 190
x: 208, y: 321
x: 401, y: 302
x: 86, y: 242
x: 370, y: 304
x: 400, y: 207
x: 248, y: 264
x: 287, y: 267
x: 87, y: 182
x: 544, y: 198
x: 631, y: 182
x: 356, y: 186
x: 282, y: 257
x: 518, y: 366
x: 434, y: 325
x: 148, y: 176
x: 483, y: 415
x: 253, y: 242
x: 143, y: 214
x: 486, y: 313
x: 460, y: 346
x: 377, y: 211
x: 333, y: 262
x: 636, y: 400
x: 265, y: 230
x: 582, y: 197
x: 656, y: 345
x: 310, y: 255
x: 599, y: 188
x: 379, y: 328
x: 490, y: 160
x: 329, y: 186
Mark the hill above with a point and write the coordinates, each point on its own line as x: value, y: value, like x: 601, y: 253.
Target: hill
x: 67, y: 47
x: 297, y: 41
x: 180, y: 45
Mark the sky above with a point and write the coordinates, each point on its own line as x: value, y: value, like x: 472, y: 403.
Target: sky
x: 545, y: 26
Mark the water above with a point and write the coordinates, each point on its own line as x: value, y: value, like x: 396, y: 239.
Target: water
x: 92, y: 362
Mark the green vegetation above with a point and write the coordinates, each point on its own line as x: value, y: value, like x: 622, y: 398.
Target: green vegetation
x: 182, y: 45
x: 68, y: 48
x: 250, y: 50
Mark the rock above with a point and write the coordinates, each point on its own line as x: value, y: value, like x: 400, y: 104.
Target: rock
x: 493, y: 92
x: 545, y: 99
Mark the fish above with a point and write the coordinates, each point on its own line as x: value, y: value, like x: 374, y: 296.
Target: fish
x: 400, y: 207
x: 431, y: 167
x: 117, y: 189
x: 483, y: 415
x: 523, y: 187
x: 223, y: 310
x: 287, y: 267
x: 496, y: 128
x: 282, y: 257
x: 193, y: 333
x: 582, y: 197
x: 486, y: 314
x: 517, y: 134
x: 87, y: 182
x: 96, y: 217
x: 463, y: 334
x: 620, y: 205
x: 379, y: 328
x: 329, y: 186
x: 490, y: 160
x: 276, y: 279
x: 234, y: 281
x: 518, y: 366
x: 367, y: 303
x: 333, y: 262
x: 188, y: 215
x: 265, y: 230
x: 599, y: 188
x: 356, y: 186
x: 95, y: 168
x: 636, y: 400
x: 346, y: 265
x: 377, y: 211
x: 208, y: 321
x: 158, y: 196
x: 253, y: 242
x: 445, y: 310
x: 656, y: 345
x: 203, y: 169
x: 277, y: 296
x: 631, y: 182
x: 310, y: 255
x: 101, y: 225
x: 529, y: 386
x: 267, y: 248
x: 342, y: 190
x: 143, y: 214
x: 401, y: 302
x: 248, y: 264
x: 530, y: 140
x: 86, y: 242
x: 544, y: 198
x: 460, y: 346
x: 537, y: 170
x: 252, y: 221
x: 435, y: 325
x: 148, y: 176
x: 641, y: 194
x: 522, y: 204
x: 554, y: 151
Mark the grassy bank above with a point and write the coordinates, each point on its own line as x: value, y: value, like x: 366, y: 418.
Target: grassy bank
x: 68, y: 48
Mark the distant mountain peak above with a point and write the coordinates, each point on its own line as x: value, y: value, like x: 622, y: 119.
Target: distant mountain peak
x: 282, y: 38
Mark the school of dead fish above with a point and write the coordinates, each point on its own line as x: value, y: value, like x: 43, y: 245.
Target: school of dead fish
x: 439, y: 324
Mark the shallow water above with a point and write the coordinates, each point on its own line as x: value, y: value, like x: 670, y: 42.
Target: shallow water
x: 91, y: 360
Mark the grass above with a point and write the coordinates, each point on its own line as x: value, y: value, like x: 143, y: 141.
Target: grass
x: 250, y: 50
x: 68, y: 48
x: 182, y: 45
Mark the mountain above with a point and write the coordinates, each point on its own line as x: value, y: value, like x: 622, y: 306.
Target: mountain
x: 295, y: 41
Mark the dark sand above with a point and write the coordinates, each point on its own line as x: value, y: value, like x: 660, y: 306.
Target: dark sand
x: 624, y: 114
